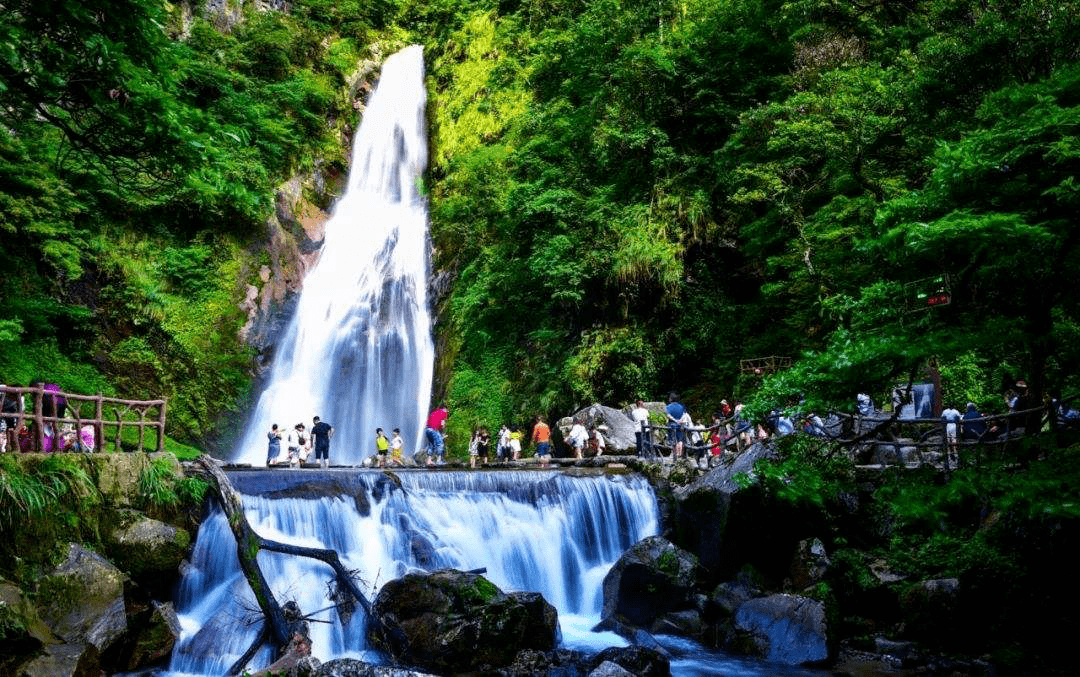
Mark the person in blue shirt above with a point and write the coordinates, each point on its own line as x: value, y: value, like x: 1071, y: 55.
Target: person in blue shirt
x: 676, y: 433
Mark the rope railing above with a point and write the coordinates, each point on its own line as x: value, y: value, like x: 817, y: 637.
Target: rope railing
x: 63, y: 429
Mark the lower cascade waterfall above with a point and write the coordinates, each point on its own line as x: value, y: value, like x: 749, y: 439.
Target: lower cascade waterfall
x: 542, y: 532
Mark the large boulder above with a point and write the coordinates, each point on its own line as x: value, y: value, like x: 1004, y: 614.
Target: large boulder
x: 451, y: 621
x: 637, y: 660
x: 787, y: 629
x: 149, y: 551
x: 82, y: 600
x: 618, y: 428
x: 151, y: 637
x: 63, y: 660
x: 719, y: 518
x: 653, y: 578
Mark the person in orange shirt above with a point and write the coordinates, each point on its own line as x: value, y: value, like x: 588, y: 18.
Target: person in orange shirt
x: 541, y: 434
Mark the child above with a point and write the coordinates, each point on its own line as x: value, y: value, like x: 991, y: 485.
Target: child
x: 504, y: 444
x: 515, y: 442
x: 482, y: 445
x: 474, y: 448
x: 396, y: 447
x: 381, y: 446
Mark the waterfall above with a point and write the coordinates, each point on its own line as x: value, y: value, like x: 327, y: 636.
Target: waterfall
x: 358, y: 350
x: 532, y: 531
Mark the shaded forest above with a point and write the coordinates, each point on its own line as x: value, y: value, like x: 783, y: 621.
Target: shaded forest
x: 631, y: 196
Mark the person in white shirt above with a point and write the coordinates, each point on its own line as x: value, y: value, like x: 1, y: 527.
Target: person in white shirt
x: 577, y: 437
x: 642, y: 433
x: 293, y: 443
x: 951, y: 416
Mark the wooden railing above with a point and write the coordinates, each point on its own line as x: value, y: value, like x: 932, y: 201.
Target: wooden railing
x: 81, y: 411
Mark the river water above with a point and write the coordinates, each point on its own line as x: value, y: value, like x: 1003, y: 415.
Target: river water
x: 531, y: 530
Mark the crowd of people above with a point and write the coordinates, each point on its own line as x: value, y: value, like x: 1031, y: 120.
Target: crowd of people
x: 674, y: 436
x: 299, y: 444
x: 18, y: 430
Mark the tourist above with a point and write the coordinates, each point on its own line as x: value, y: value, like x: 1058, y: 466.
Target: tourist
x: 9, y: 422
x: 640, y: 416
x: 717, y: 437
x: 515, y: 442
x: 305, y: 444
x: 676, y: 435
x: 692, y: 438
x: 577, y: 437
x: 474, y: 447
x: 273, y: 448
x: 53, y: 407
x: 726, y: 412
x: 952, y: 417
x: 974, y: 429
x: 742, y: 426
x: 864, y: 404
x: 503, y: 450
x: 77, y: 441
x: 541, y: 435
x: 596, y: 441
x: 294, y: 442
x: 436, y: 424
x: 397, y: 446
x: 814, y: 426
x: 482, y: 445
x: 321, y: 432
x: 382, y: 445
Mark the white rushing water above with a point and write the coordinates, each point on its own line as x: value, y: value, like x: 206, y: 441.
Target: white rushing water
x: 358, y: 350
x: 532, y: 532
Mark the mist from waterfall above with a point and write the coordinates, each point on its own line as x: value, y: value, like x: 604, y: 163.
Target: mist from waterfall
x: 358, y: 350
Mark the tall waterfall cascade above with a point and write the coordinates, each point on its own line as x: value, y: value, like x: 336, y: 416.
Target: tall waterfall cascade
x: 532, y: 531
x: 358, y: 351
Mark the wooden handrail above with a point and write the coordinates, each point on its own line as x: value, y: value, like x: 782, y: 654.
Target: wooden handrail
x: 73, y: 404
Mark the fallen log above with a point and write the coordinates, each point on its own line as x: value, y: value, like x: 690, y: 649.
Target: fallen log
x: 282, y: 622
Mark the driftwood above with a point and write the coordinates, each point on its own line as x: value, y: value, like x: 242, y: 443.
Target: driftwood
x: 282, y: 622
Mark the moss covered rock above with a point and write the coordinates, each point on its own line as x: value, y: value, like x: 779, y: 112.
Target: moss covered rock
x: 82, y: 600
x: 117, y: 475
x: 451, y: 621
x: 652, y: 578
x: 145, y: 548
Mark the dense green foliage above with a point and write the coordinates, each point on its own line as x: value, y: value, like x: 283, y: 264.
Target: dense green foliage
x: 997, y: 527
x: 138, y: 162
x: 633, y: 196
x: 636, y: 196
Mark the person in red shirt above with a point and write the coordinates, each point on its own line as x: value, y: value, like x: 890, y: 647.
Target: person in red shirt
x: 435, y: 424
x: 541, y: 435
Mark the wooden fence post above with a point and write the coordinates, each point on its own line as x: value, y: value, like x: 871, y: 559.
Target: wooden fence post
x: 99, y: 425
x: 161, y: 425
x: 39, y: 420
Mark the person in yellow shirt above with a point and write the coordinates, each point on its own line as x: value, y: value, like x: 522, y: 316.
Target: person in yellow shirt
x: 515, y: 442
x: 381, y: 446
